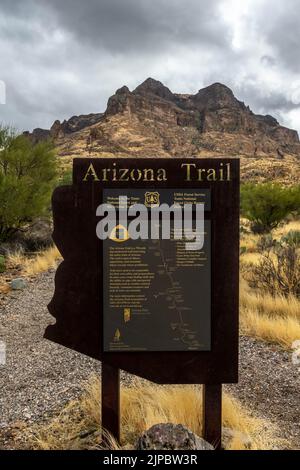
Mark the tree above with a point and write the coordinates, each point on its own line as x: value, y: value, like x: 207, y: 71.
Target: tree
x: 267, y: 204
x: 27, y: 177
x: 66, y: 178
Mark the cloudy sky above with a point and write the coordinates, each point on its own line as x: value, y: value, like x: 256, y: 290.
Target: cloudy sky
x: 66, y: 57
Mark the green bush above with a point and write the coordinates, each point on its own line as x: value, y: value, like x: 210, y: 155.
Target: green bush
x: 266, y: 242
x: 27, y: 177
x: 2, y: 264
x: 267, y: 204
x: 66, y: 178
x: 292, y: 238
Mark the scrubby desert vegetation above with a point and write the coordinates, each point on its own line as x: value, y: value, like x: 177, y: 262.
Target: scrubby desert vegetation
x: 270, y: 263
x: 270, y: 279
x: 36, y: 264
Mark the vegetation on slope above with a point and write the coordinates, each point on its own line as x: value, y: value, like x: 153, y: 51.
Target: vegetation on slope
x: 270, y: 309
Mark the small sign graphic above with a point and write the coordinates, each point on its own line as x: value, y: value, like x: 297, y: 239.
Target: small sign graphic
x: 127, y: 315
x: 117, y: 335
x: 151, y: 198
x: 119, y: 234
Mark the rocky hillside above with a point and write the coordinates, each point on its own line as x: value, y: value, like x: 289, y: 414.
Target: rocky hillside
x: 152, y: 121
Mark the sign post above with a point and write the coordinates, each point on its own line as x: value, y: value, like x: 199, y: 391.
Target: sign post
x: 150, y: 306
x: 110, y: 400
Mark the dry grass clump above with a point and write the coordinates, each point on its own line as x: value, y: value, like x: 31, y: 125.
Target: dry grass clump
x: 282, y: 230
x: 283, y: 331
x: 274, y: 306
x: 249, y: 242
x: 39, y: 263
x: 275, y: 319
x: 15, y: 260
x: 42, y: 262
x: 143, y: 405
x: 250, y: 258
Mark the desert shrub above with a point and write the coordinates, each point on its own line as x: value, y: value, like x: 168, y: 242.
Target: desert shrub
x: 278, y: 271
x: 292, y: 238
x: 265, y: 205
x: 266, y: 242
x: 2, y: 264
x: 66, y: 178
x: 27, y: 177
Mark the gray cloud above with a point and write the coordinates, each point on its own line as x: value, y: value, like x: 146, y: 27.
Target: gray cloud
x: 265, y: 102
x: 64, y: 58
x: 133, y: 25
x: 279, y: 23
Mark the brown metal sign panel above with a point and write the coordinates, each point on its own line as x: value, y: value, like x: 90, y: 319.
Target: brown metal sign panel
x: 180, y: 323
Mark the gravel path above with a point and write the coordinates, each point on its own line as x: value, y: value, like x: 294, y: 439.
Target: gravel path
x: 269, y: 384
x: 40, y: 377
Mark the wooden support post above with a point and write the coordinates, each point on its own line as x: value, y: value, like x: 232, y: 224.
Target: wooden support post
x: 110, y: 401
x: 212, y: 414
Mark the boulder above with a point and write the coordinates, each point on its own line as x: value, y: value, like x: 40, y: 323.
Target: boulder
x: 18, y: 284
x: 168, y: 436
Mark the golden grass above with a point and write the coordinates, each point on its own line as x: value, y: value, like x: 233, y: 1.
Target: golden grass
x: 283, y: 331
x: 249, y: 242
x: 273, y: 319
x: 279, y: 306
x: 15, y: 260
x: 42, y: 262
x: 38, y: 264
x: 254, y: 257
x: 250, y: 258
x: 142, y: 405
x: 293, y: 225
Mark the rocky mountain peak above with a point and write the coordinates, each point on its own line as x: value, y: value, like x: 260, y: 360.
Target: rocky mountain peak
x: 119, y: 102
x: 217, y: 88
x: 151, y: 121
x: 217, y: 96
x: 154, y: 87
x: 124, y: 90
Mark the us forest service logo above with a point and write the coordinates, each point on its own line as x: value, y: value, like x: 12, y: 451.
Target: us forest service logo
x: 151, y: 198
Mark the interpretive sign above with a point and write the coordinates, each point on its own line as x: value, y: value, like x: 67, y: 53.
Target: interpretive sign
x: 152, y: 293
x: 150, y: 274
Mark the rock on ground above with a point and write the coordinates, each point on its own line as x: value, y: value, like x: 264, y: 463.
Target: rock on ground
x: 168, y: 436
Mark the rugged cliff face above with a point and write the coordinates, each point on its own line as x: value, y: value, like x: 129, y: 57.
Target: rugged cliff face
x: 152, y: 121
x: 61, y: 130
x: 212, y: 112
